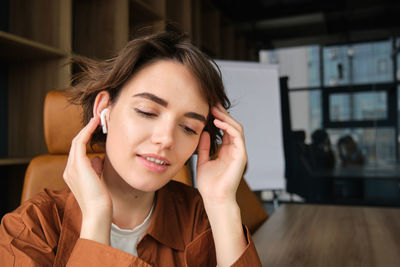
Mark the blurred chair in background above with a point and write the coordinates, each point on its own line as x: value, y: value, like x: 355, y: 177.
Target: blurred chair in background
x: 321, y: 155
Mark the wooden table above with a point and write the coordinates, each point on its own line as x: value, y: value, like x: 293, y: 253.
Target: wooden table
x: 320, y: 235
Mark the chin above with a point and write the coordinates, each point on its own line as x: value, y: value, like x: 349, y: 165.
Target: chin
x: 147, y: 184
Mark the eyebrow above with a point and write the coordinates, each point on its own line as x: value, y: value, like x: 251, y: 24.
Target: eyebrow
x: 164, y: 103
x: 196, y: 116
x: 154, y: 98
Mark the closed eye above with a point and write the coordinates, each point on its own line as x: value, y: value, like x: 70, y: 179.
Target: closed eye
x: 185, y: 128
x: 145, y: 114
x: 188, y: 130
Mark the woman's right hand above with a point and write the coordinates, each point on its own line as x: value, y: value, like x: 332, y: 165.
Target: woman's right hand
x: 83, y: 177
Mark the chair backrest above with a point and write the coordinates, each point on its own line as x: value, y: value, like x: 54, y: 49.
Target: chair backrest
x: 252, y: 212
x: 62, y: 121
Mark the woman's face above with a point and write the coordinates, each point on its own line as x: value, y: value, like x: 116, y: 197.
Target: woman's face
x: 155, y: 124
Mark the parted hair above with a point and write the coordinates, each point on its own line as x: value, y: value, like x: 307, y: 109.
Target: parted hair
x: 112, y: 74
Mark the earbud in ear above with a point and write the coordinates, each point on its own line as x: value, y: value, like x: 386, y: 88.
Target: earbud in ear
x: 103, y: 120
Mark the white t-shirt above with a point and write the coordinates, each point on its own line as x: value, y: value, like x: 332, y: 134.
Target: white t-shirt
x: 127, y: 240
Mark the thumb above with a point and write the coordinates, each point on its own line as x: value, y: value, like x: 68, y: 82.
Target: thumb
x: 97, y: 164
x: 203, y: 150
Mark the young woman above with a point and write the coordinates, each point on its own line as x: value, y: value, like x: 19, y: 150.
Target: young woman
x: 151, y: 107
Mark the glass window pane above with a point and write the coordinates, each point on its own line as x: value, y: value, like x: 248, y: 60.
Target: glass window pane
x: 315, y: 110
x: 339, y: 107
x: 358, y: 63
x: 372, y: 62
x: 314, y: 79
x: 336, y: 66
x: 370, y: 106
x: 375, y: 144
x: 385, y: 145
x: 300, y: 64
x: 358, y: 106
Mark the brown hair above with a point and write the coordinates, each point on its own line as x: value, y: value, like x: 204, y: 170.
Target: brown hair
x: 112, y: 74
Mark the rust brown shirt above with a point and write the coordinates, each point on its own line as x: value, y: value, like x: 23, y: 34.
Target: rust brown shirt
x: 44, y: 231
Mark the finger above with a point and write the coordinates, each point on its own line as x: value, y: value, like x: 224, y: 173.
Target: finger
x: 81, y: 140
x: 235, y: 136
x: 86, y: 132
x: 226, y: 139
x: 203, y: 150
x: 78, y: 145
x: 225, y: 116
x: 221, y: 114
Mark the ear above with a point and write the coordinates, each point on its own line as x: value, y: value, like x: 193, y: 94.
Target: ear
x: 101, y: 102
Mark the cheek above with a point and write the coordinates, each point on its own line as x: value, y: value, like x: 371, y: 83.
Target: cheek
x: 122, y: 132
x: 187, y: 147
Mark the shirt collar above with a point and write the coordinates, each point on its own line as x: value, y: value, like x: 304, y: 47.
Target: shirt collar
x: 165, y: 226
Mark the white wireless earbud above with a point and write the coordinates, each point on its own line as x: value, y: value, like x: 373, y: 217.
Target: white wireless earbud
x: 103, y: 120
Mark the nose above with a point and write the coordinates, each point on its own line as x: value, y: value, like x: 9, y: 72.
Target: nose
x: 163, y: 135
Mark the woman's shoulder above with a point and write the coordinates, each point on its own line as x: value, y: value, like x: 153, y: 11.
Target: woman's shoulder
x: 39, y: 216
x: 48, y: 205
x: 46, y: 199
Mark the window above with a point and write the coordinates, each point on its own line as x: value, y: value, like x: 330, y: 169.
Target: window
x: 339, y: 107
x: 300, y: 64
x: 376, y: 144
x: 358, y: 106
x: 305, y: 111
x: 358, y: 64
x: 354, y: 96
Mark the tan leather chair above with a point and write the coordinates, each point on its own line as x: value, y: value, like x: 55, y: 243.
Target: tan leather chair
x: 62, y: 121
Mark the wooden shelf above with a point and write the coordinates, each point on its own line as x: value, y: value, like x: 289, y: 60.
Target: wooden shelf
x: 100, y: 28
x: 15, y: 48
x: 14, y: 161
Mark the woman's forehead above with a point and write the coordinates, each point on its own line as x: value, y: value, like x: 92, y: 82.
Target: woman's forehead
x: 168, y: 80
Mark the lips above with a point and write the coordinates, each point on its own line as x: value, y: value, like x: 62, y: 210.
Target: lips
x: 155, y: 158
x: 154, y: 162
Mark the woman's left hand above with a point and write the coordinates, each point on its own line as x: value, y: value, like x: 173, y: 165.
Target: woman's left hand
x: 218, y: 179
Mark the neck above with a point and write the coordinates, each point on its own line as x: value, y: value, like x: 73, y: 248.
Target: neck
x: 130, y: 206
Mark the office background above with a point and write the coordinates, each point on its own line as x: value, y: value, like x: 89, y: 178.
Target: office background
x: 340, y: 59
